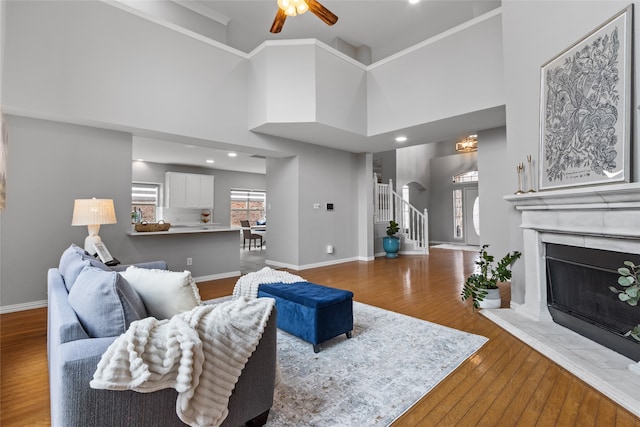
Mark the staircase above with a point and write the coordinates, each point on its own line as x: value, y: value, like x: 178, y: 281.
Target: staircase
x: 414, y: 226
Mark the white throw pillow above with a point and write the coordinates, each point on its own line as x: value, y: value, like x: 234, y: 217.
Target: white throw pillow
x: 164, y: 293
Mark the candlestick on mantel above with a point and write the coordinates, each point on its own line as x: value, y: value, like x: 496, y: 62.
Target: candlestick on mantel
x: 520, y: 170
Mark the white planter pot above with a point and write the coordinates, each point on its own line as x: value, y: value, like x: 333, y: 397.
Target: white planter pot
x: 492, y: 300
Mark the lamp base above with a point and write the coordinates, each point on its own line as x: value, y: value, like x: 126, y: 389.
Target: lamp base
x: 89, y: 243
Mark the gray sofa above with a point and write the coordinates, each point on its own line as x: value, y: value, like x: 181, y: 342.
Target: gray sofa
x: 73, y: 356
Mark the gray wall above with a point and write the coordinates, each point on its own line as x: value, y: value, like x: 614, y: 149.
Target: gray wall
x: 492, y: 186
x: 50, y: 164
x: 316, y: 175
x: 282, y: 212
x: 224, y: 181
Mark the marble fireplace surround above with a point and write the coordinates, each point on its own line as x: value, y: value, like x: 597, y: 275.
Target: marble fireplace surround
x: 599, y: 217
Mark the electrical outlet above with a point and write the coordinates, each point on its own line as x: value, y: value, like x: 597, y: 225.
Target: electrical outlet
x: 189, y: 261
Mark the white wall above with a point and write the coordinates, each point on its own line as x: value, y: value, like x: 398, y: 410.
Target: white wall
x: 96, y: 64
x: 295, y: 83
x: 533, y: 33
x: 449, y: 77
x: 341, y: 102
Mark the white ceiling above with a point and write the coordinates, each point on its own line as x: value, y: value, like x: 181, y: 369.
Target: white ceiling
x: 385, y: 26
x: 176, y: 153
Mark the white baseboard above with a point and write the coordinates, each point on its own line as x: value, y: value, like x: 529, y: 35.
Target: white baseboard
x: 217, y: 276
x: 314, y: 265
x: 22, y: 307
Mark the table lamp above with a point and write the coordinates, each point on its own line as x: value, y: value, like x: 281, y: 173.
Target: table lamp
x: 93, y: 213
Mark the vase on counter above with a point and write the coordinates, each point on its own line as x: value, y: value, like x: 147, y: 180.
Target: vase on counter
x: 205, y: 216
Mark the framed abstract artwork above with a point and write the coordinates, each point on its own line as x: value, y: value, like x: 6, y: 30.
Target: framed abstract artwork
x: 585, y: 109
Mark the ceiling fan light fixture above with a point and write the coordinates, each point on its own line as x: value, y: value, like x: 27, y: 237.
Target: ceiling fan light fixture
x: 293, y: 7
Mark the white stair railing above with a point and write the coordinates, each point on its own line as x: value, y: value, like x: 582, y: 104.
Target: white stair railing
x: 413, y: 224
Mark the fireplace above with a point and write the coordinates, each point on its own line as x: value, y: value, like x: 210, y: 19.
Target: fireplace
x: 579, y: 298
x: 604, y: 221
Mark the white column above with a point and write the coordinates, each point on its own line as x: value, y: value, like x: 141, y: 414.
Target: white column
x: 535, y: 298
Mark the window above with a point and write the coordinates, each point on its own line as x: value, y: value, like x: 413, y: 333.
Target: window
x: 458, y: 210
x: 458, y: 222
x: 145, y: 198
x: 471, y: 176
x: 247, y: 205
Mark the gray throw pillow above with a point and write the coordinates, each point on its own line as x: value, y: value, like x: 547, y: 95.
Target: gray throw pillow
x: 73, y: 260
x: 105, y: 302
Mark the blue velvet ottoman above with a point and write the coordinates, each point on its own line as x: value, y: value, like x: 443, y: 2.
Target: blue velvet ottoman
x: 312, y: 312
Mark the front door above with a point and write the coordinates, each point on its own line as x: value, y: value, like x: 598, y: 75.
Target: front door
x: 471, y: 216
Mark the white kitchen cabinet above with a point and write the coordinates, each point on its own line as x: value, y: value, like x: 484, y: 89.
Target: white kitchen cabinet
x: 188, y: 190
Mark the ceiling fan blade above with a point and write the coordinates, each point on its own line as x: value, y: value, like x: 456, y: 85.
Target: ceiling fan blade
x: 322, y: 12
x: 278, y: 22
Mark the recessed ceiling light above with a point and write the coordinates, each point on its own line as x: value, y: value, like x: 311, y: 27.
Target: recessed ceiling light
x: 414, y: 1
x: 232, y: 154
x: 210, y: 161
x: 401, y: 139
x: 139, y: 160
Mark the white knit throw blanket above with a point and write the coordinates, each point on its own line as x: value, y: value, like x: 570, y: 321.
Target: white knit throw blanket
x: 247, y: 285
x: 157, y: 354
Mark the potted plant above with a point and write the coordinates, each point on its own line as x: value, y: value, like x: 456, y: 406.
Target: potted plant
x: 630, y: 281
x: 391, y: 243
x: 482, y: 286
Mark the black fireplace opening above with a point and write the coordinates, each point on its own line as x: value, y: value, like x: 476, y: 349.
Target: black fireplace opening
x: 579, y: 298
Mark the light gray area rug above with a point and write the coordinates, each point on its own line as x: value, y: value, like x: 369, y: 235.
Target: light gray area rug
x: 371, y: 379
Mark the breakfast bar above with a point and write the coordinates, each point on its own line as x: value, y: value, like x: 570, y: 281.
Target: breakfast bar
x: 209, y: 251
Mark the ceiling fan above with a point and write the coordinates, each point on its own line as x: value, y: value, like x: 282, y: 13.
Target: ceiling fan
x: 298, y: 7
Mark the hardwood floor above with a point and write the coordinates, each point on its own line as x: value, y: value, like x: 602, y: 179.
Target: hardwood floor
x: 506, y: 383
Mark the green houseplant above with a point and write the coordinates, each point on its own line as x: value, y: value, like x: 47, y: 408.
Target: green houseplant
x: 391, y: 243
x: 630, y: 281
x: 485, y: 280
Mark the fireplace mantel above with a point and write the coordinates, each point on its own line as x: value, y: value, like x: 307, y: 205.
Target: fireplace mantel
x: 599, y: 217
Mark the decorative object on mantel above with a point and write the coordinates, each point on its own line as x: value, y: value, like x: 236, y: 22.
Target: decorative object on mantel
x: 531, y: 190
x: 585, y: 107
x: 630, y: 280
x: 520, y: 170
x: 93, y: 213
x: 147, y: 227
x: 482, y: 286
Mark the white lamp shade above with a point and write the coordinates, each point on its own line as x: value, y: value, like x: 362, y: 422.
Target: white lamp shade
x: 93, y: 213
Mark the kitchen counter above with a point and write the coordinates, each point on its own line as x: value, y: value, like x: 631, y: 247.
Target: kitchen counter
x: 187, y: 229
x: 208, y: 251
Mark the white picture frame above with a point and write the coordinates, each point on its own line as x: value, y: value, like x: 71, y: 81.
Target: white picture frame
x: 585, y: 109
x: 103, y: 252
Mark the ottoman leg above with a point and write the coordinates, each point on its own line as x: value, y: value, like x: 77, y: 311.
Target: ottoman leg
x: 349, y: 334
x: 316, y: 348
